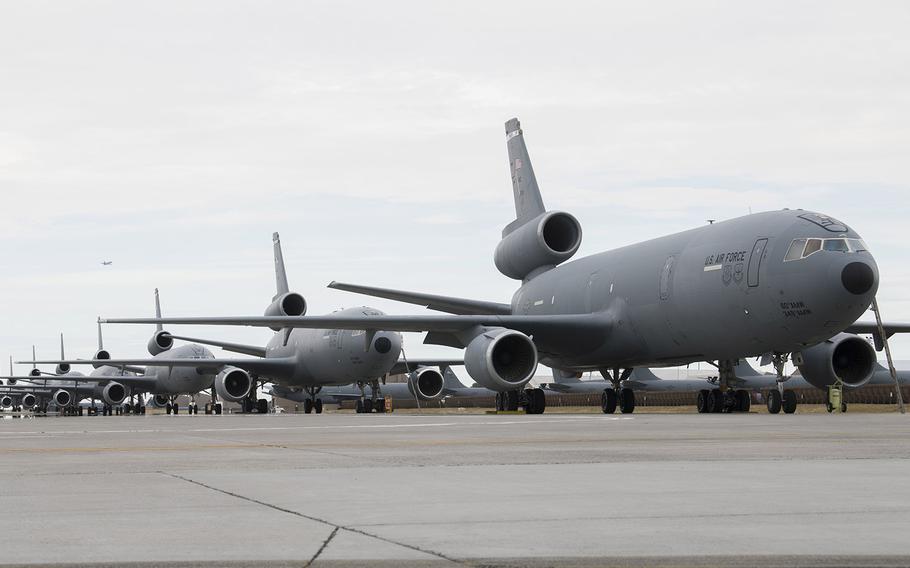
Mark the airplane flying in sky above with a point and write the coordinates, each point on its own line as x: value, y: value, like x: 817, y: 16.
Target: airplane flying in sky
x: 782, y: 284
x: 301, y: 359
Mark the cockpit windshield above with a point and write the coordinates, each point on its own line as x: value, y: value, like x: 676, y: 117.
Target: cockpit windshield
x: 801, y: 248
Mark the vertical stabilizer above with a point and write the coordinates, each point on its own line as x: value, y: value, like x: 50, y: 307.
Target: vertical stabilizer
x: 528, y: 202
x: 62, y: 351
x: 281, y: 276
x: 34, y: 358
x: 450, y: 379
x: 11, y: 373
x: 100, y: 337
x: 158, y: 327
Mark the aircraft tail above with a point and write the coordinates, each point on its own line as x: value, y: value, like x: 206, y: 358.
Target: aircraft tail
x: 528, y: 202
x: 281, y: 276
x: 564, y: 377
x: 450, y: 379
x: 158, y: 327
x: 644, y: 374
x: 100, y: 338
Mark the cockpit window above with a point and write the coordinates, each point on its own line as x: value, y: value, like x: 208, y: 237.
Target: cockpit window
x: 801, y: 248
x: 812, y: 247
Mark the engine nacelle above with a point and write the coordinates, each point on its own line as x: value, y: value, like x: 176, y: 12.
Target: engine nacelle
x: 288, y: 304
x: 112, y: 393
x: 501, y: 359
x: 29, y: 400
x: 233, y: 384
x: 62, y: 398
x: 426, y: 383
x: 158, y: 401
x: 11, y: 382
x: 160, y: 342
x: 6, y: 401
x: 101, y: 355
x: 63, y: 368
x: 844, y: 356
x: 34, y: 373
x: 550, y: 239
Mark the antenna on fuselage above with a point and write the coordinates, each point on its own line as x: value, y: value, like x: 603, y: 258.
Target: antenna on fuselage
x: 281, y: 275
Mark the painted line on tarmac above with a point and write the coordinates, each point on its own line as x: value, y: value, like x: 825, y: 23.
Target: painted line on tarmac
x: 47, y: 433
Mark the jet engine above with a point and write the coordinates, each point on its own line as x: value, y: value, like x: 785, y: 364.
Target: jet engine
x: 425, y: 383
x: 112, y: 393
x: 501, y: 359
x: 63, y: 368
x: 287, y: 304
x: 29, y: 400
x: 233, y: 384
x: 11, y: 382
x: 158, y: 401
x: 550, y: 239
x: 160, y: 342
x: 62, y: 398
x: 6, y: 401
x: 34, y: 373
x: 844, y: 356
x: 101, y: 355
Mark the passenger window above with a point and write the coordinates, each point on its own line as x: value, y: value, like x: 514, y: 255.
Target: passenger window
x: 795, y: 252
x: 836, y: 245
x: 812, y: 246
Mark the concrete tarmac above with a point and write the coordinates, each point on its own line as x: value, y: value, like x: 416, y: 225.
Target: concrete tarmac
x: 401, y: 490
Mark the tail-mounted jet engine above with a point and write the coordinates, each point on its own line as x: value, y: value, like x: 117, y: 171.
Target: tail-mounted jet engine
x: 426, y: 383
x: 63, y: 368
x: 287, y: 304
x: 62, y: 398
x: 101, y: 355
x: 112, y: 393
x: 233, y: 384
x: 160, y: 342
x: 845, y: 356
x: 549, y: 239
x: 501, y: 359
x: 29, y: 400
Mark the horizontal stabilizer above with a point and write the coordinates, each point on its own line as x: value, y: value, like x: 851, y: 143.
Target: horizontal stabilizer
x: 253, y: 350
x: 448, y: 304
x: 279, y: 365
x: 403, y: 366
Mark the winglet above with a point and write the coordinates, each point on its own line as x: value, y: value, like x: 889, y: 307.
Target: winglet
x: 158, y: 327
x: 528, y: 202
x: 281, y: 276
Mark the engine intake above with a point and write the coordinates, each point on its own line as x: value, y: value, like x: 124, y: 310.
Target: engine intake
x: 6, y: 401
x: 62, y: 398
x: 63, y: 368
x: 101, y: 355
x: 112, y: 393
x: 426, y: 383
x: 501, y: 359
x: 845, y: 356
x: 160, y: 342
x: 233, y: 384
x: 29, y: 400
x: 287, y: 304
x: 549, y: 239
x: 159, y: 401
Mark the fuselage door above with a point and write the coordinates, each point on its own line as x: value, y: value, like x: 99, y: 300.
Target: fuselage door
x: 758, y: 252
x: 666, y: 278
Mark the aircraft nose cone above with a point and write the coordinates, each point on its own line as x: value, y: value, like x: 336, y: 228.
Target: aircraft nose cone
x: 858, y: 278
x: 382, y: 345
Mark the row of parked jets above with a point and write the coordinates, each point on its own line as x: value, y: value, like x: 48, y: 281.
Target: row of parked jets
x: 784, y: 286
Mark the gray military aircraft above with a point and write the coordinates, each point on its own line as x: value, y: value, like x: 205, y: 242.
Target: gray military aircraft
x: 779, y: 283
x: 302, y: 359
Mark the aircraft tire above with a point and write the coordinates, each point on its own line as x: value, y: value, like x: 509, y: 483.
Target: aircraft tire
x: 774, y: 402
x: 743, y: 401
x: 218, y: 408
x: 380, y: 405
x: 789, y: 402
x: 500, y: 403
x: 715, y: 401
x: 307, y: 406
x: 318, y: 406
x: 175, y: 408
x: 358, y: 406
x: 537, y: 401
x: 843, y: 407
x: 608, y: 401
x: 367, y: 406
x: 626, y: 401
x: 701, y: 403
x: 511, y: 399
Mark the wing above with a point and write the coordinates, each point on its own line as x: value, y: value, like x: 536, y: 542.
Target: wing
x: 872, y: 328
x: 403, y: 366
x: 448, y: 304
x: 253, y: 350
x: 265, y: 366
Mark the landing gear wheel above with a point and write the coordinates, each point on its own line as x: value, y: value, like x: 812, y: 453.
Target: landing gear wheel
x: 608, y: 401
x: 626, y: 401
x: 217, y: 408
x: 511, y: 400
x: 175, y: 408
x: 379, y: 405
x: 308, y: 406
x: 358, y: 406
x: 126, y: 408
x: 789, y: 402
x: 774, y: 402
x: 701, y: 403
x: 142, y: 410
x: 500, y: 402
x: 829, y: 407
x: 743, y: 401
x: 318, y: 406
x: 843, y: 407
x: 715, y: 401
x: 537, y: 401
x: 168, y: 407
x: 262, y: 406
x: 367, y: 406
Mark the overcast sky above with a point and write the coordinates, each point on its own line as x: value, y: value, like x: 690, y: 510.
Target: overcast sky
x: 173, y: 138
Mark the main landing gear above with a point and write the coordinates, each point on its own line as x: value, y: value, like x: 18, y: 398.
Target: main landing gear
x: 532, y: 400
x: 723, y: 398
x: 312, y: 403
x: 624, y: 398
x: 251, y: 404
x: 213, y: 406
x: 376, y: 402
